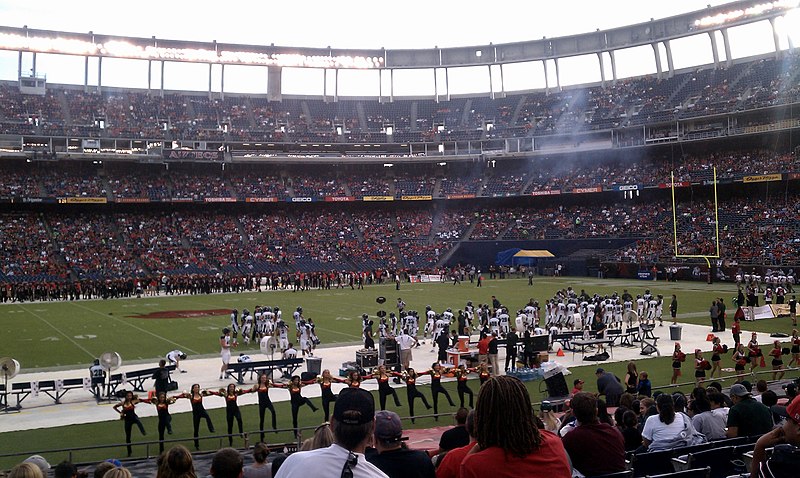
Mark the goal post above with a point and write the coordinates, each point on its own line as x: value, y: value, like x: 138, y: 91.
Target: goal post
x: 680, y: 236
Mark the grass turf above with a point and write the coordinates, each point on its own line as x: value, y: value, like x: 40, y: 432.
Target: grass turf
x: 45, y: 335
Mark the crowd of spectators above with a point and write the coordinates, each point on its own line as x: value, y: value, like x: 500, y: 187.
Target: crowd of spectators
x: 627, y: 102
x: 751, y: 230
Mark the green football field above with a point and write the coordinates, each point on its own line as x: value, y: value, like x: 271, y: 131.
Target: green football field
x: 46, y: 335
x: 60, y: 334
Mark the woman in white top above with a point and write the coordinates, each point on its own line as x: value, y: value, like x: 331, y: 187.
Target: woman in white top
x: 668, y: 429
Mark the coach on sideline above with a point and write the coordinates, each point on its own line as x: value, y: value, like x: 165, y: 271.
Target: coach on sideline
x: 352, y: 423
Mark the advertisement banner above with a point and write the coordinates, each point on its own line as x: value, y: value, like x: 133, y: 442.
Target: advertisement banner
x: 132, y: 200
x: 761, y: 179
x: 300, y: 199
x: 794, y: 175
x: 198, y: 154
x: 377, y: 198
x: 460, y: 196
x: 339, y: 198
x: 35, y: 200
x: 181, y: 200
x: 547, y: 192
x: 595, y: 189
x: 82, y: 200
x: 220, y: 199
x: 682, y: 184
x: 416, y: 198
x: 627, y: 187
x: 261, y: 200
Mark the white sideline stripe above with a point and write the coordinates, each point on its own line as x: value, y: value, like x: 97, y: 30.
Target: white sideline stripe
x: 58, y: 331
x: 182, y: 347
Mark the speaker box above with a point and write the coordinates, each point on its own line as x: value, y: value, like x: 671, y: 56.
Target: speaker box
x: 557, y: 386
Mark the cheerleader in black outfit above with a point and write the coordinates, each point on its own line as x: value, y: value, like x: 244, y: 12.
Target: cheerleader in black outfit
x: 753, y: 352
x: 264, y: 403
x: 162, y: 403
x: 795, y: 349
x: 410, y: 377
x: 483, y: 373
x: 461, y: 378
x: 326, y: 381
x: 232, y: 411
x: 716, y: 357
x: 296, y: 397
x: 384, y: 388
x: 127, y: 412
x: 436, y: 372
x: 198, y: 411
x: 777, y: 361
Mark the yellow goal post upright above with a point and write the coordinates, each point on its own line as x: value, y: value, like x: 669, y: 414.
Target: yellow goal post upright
x: 706, y: 257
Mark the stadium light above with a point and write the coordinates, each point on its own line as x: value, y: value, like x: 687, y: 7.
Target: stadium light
x: 124, y: 49
x: 734, y: 15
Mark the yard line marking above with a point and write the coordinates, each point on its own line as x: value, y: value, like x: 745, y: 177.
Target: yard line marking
x: 138, y: 328
x: 58, y: 331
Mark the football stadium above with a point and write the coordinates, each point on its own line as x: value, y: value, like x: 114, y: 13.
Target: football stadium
x: 554, y: 248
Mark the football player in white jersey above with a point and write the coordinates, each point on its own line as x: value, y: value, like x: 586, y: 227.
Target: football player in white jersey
x: 430, y: 320
x: 618, y: 314
x: 283, y: 335
x: 640, y: 304
x: 494, y: 325
x: 247, y: 326
x: 652, y: 305
x: 235, y: 322
x: 504, y: 319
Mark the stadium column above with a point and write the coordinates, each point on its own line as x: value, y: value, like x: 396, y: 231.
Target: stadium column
x: 670, y: 64
x: 775, y: 38
x: 613, y: 65
x: 602, y: 69
x: 714, y: 50
x: 727, y: 43
x: 658, y: 59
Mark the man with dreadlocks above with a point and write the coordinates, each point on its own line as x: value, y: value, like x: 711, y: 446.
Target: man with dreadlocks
x: 508, y: 443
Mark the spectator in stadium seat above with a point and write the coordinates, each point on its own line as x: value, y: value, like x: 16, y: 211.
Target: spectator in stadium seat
x: 101, y: 468
x: 352, y: 423
x: 259, y: 469
x: 457, y: 436
x: 450, y: 463
x: 25, y: 470
x: 391, y: 455
x: 176, y: 463
x: 118, y: 472
x: 65, y: 469
x: 227, y: 463
x: 40, y: 462
x: 595, y: 448
x: 509, y: 444
x: 747, y: 417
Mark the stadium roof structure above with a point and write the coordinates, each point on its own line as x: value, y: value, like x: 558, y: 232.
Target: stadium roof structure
x: 657, y: 33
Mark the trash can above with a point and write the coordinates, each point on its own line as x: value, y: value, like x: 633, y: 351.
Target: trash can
x: 675, y: 332
x: 314, y: 365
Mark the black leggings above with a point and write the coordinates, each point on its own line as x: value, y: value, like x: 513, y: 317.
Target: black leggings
x: 327, y: 398
x: 262, y: 408
x: 462, y: 389
x: 296, y: 404
x: 164, y: 423
x: 129, y: 422
x: 197, y: 415
x: 383, y: 392
x: 412, y: 393
x: 511, y: 359
x: 435, y: 391
x: 232, y: 412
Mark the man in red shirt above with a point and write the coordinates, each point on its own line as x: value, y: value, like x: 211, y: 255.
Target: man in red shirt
x: 483, y: 349
x: 451, y: 462
x: 577, y: 387
x: 595, y: 448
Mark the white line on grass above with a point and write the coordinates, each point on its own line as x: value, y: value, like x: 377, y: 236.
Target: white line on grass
x: 137, y: 328
x: 58, y: 331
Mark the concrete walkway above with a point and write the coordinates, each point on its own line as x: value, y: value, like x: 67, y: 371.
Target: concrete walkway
x: 78, y: 406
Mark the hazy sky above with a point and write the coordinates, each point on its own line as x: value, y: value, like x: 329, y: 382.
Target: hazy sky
x: 349, y: 24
